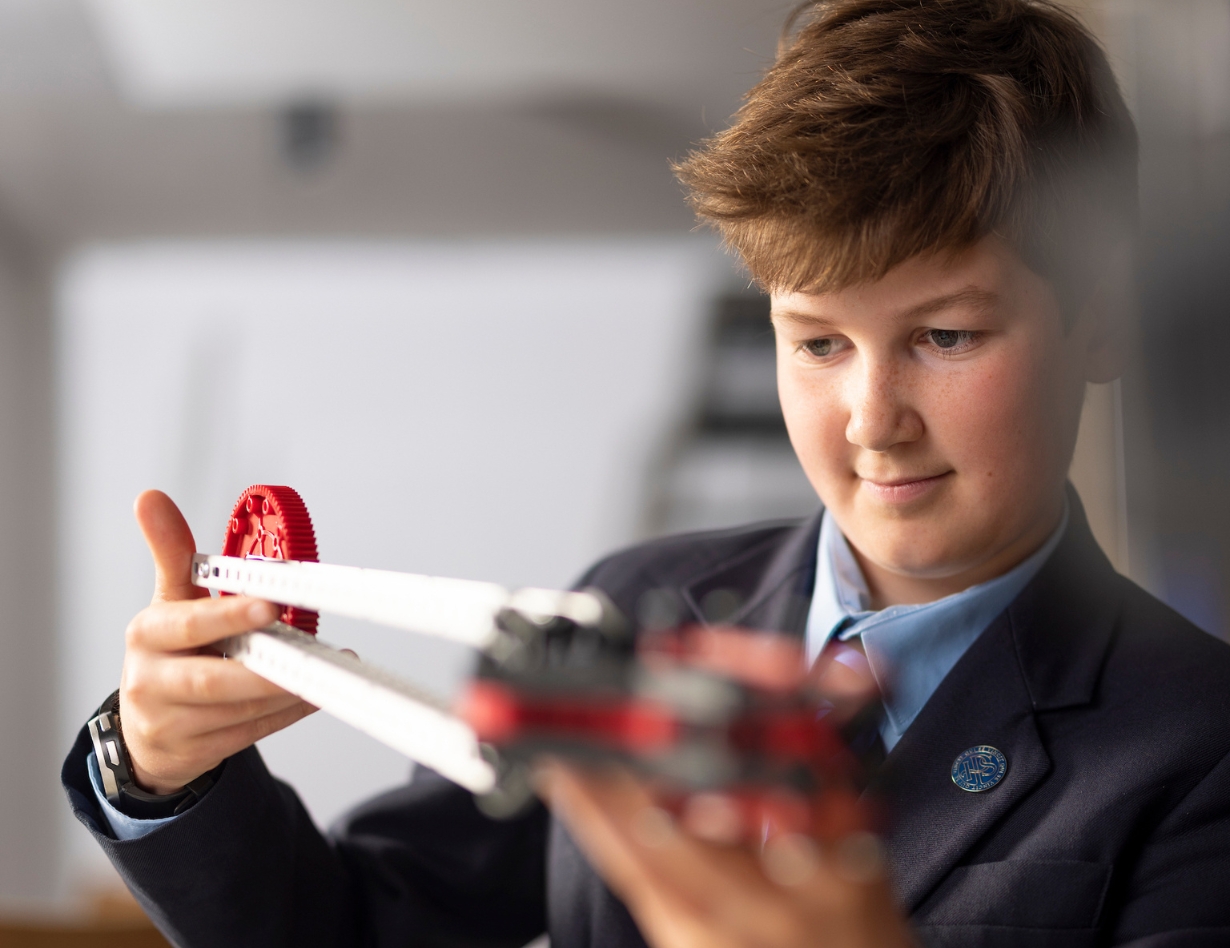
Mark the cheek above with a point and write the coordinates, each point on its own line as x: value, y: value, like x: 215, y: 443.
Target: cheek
x: 816, y: 424
x: 1002, y: 423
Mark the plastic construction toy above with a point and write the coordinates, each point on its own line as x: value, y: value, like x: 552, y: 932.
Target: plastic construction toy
x: 561, y: 673
x: 272, y: 523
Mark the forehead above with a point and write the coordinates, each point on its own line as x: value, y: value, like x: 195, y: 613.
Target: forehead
x: 988, y: 278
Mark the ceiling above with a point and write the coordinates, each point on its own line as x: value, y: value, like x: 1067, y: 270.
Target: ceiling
x: 243, y: 52
x: 135, y: 119
x: 139, y: 119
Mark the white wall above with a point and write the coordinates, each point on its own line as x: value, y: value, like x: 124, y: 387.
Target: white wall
x: 31, y: 805
x: 479, y: 410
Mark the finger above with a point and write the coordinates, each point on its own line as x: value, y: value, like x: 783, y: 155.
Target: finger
x: 193, y: 681
x: 176, y: 727
x: 765, y: 660
x: 843, y: 678
x: 843, y: 673
x: 570, y: 800
x: 663, y: 915
x: 610, y: 808
x: 723, y: 889
x: 190, y: 723
x: 716, y: 891
x: 228, y: 741
x: 164, y: 771
x: 726, y: 886
x: 180, y: 626
x: 170, y: 542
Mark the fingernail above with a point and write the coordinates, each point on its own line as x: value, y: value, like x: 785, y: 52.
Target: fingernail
x: 713, y: 817
x: 261, y: 612
x: 790, y: 859
x: 860, y: 858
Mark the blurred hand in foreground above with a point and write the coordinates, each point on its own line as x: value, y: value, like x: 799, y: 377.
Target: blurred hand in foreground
x: 694, y: 876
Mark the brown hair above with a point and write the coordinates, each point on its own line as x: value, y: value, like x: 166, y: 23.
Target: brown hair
x: 890, y: 128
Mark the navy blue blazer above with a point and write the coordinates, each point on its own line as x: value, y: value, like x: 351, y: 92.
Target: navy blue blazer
x: 1112, y: 825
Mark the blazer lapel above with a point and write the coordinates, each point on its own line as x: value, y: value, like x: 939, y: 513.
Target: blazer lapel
x: 1043, y: 653
x: 982, y: 701
x: 767, y: 587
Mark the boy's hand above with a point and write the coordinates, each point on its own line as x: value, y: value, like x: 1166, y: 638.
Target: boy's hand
x: 710, y: 881
x: 686, y: 893
x: 184, y: 709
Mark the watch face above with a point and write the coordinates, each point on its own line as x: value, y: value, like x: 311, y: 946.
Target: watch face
x: 110, y: 753
x: 115, y: 769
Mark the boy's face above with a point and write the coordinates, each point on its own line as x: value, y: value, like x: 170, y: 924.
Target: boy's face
x: 935, y: 412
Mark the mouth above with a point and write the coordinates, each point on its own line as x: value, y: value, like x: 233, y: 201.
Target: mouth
x: 903, y: 490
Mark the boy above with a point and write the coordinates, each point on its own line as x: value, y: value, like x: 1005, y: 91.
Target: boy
x: 935, y: 195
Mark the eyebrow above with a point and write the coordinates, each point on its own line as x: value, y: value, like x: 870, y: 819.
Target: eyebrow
x: 970, y: 296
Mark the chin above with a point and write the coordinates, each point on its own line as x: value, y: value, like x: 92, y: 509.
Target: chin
x: 902, y: 550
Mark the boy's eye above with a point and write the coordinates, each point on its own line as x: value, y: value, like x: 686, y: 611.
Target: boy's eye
x: 949, y: 338
x: 819, y: 347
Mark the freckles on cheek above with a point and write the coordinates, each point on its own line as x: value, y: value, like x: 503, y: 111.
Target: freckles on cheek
x: 991, y: 425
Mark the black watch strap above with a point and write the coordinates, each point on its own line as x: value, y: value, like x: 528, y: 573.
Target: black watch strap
x: 115, y: 768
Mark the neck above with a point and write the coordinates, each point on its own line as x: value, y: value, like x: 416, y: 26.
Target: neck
x: 890, y: 588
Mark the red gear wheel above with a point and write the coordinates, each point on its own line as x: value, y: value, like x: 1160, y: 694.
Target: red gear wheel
x: 272, y: 522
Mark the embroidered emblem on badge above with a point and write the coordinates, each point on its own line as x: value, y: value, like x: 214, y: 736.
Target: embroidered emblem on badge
x: 979, y: 768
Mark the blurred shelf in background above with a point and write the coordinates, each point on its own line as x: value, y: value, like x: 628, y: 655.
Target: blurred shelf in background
x: 731, y: 463
x: 113, y: 920
x: 84, y: 936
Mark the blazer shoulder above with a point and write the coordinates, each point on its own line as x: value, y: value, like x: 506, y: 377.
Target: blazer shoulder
x: 1147, y: 617
x: 1178, y: 658
x: 671, y: 561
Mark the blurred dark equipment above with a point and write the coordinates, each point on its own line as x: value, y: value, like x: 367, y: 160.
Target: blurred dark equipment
x: 741, y: 387
x: 732, y: 462
x: 662, y: 707
x: 310, y: 135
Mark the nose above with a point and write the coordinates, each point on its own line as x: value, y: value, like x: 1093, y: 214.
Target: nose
x: 881, y: 415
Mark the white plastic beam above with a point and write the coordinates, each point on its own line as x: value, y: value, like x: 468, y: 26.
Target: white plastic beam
x: 377, y: 703
x: 457, y: 609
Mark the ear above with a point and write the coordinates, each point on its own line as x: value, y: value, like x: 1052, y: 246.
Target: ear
x: 1105, y: 322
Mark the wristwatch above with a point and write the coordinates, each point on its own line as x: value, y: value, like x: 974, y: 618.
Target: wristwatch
x: 115, y: 767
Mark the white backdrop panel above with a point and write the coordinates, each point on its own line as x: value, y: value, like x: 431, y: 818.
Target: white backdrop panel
x: 476, y: 410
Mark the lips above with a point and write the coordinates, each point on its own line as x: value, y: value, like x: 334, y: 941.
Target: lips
x: 903, y: 490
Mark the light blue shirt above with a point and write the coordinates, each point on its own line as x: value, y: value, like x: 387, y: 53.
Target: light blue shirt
x: 123, y: 826
x: 910, y: 648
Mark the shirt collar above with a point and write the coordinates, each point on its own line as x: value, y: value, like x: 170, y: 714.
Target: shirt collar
x: 910, y: 648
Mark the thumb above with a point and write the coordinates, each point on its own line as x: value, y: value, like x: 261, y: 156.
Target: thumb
x: 170, y: 542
